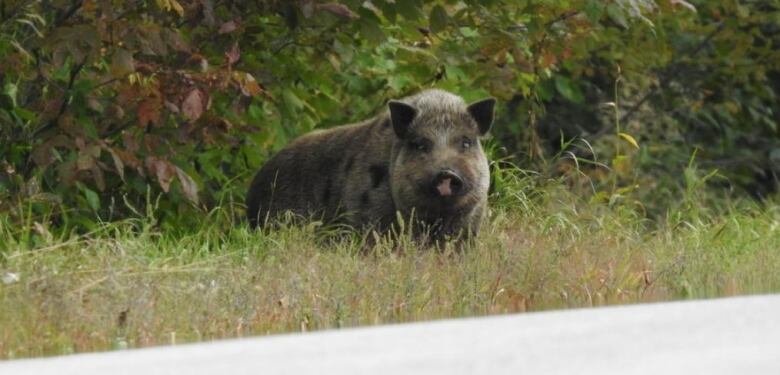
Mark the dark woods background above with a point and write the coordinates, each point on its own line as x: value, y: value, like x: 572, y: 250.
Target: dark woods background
x: 110, y: 108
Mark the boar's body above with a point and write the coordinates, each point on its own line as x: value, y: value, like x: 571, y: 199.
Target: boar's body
x: 421, y: 159
x: 339, y: 173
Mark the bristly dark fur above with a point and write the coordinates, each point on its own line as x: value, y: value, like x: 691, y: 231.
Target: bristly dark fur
x: 364, y: 173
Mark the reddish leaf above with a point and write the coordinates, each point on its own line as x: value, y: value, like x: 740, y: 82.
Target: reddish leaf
x: 149, y: 111
x: 87, y: 157
x: 227, y: 27
x: 188, y: 185
x: 70, y: 126
x: 163, y: 170
x: 193, y: 105
x: 95, y: 105
x: 43, y: 155
x: 151, y: 40
x: 233, y: 54
x: 115, y: 112
x: 130, y: 142
x: 119, y: 165
x: 337, y: 9
x: 80, y: 143
x: 97, y: 175
x: 67, y: 172
x: 126, y: 93
x: 548, y: 59
x: 128, y: 159
x: 152, y: 142
x: 247, y: 84
x: 171, y: 107
x: 52, y: 106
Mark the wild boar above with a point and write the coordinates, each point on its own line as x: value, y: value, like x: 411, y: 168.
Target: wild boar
x: 421, y: 161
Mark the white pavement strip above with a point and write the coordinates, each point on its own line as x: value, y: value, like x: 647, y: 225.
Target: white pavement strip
x: 725, y: 336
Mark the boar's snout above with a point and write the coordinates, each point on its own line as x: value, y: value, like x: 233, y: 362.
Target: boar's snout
x: 447, y: 184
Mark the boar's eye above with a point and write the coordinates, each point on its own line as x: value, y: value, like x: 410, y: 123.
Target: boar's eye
x: 420, y: 145
x: 466, y: 143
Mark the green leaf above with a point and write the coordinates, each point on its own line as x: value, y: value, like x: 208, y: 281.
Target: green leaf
x: 629, y: 139
x: 93, y: 200
x: 291, y: 101
x: 11, y: 91
x: 88, y: 126
x: 388, y: 9
x: 469, y: 32
x: 594, y: 10
x: 616, y: 14
x: 398, y: 82
x: 25, y: 114
x: 545, y: 90
x: 409, y: 9
x: 569, y: 89
x: 344, y: 50
x: 438, y: 19
x: 255, y: 112
x: 372, y: 32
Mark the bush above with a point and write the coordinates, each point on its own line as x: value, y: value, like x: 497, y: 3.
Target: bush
x: 108, y: 107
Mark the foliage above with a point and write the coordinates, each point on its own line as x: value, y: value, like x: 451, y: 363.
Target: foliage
x: 106, y: 104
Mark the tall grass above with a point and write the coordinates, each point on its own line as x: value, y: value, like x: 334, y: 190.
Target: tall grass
x: 134, y: 284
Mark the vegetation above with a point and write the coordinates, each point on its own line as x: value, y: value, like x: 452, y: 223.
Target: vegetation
x: 635, y: 159
x: 128, y: 285
x: 105, y: 103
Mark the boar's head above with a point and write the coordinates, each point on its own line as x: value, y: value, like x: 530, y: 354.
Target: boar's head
x: 438, y: 168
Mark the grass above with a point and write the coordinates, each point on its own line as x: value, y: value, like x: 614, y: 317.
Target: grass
x: 128, y: 284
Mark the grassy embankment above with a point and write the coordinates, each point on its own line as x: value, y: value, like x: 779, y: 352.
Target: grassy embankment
x: 130, y: 285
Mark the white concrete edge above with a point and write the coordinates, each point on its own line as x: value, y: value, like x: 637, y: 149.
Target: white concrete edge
x: 739, y: 333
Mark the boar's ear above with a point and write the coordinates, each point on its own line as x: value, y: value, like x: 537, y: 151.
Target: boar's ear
x: 401, y: 114
x: 482, y: 112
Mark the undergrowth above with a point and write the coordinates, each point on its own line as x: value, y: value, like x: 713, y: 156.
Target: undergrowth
x: 134, y: 284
